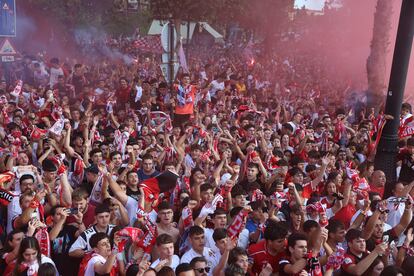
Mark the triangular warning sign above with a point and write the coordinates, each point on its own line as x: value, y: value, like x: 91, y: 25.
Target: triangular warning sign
x: 5, y: 7
x: 7, y: 48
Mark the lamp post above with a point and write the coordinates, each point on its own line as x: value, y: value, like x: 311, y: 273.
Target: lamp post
x: 387, y: 150
x: 171, y: 56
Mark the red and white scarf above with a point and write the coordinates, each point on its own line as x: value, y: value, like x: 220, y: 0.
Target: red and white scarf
x: 42, y: 237
x: 235, y: 227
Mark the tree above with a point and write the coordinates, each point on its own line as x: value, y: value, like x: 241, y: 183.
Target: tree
x: 220, y: 11
x: 268, y: 19
x: 376, y: 61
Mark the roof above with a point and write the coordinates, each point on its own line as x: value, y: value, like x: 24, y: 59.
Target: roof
x: 210, y: 29
x: 156, y: 28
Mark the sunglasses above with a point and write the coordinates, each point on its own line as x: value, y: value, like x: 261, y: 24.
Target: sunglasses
x: 201, y: 270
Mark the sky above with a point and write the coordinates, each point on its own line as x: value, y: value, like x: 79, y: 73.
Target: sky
x: 310, y: 4
x: 315, y: 4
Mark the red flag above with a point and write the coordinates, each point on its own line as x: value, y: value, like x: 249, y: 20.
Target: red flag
x: 5, y: 197
x: 235, y: 227
x: 6, y: 177
x: 128, y: 233
x: 37, y: 133
x: 163, y: 182
x: 406, y: 129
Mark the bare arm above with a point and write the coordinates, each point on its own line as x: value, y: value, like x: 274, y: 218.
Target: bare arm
x: 405, y: 220
x: 218, y: 270
x: 319, y: 178
x: 363, y: 265
x: 105, y: 268
x: 114, y: 120
x: 369, y: 227
x: 296, y: 267
x: 66, y: 190
x: 45, y: 155
x: 54, y: 232
x: 119, y: 194
x: 25, y: 217
x: 69, y: 150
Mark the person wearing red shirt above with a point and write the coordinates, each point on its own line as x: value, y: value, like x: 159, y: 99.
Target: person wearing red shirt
x: 123, y: 92
x: 357, y: 260
x: 184, y: 106
x: 346, y: 213
x: 312, y: 186
x: 270, y: 250
x: 378, y: 180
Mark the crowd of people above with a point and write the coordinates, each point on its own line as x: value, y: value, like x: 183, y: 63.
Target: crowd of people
x: 258, y: 166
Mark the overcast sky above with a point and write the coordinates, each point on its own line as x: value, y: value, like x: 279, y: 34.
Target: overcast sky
x: 315, y: 4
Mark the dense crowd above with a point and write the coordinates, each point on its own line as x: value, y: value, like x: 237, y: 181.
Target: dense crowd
x: 244, y: 166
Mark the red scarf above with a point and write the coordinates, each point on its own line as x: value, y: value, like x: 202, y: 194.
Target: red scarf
x: 235, y: 227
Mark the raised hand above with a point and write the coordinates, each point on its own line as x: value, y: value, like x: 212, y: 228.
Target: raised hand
x: 326, y: 160
x: 410, y: 236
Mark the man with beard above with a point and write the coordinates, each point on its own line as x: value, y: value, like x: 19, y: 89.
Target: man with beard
x: 27, y: 183
x: 374, y: 229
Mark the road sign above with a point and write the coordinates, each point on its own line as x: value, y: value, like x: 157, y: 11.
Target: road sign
x: 8, y: 18
x: 165, y: 37
x: 7, y: 58
x: 166, y: 72
x: 7, y: 48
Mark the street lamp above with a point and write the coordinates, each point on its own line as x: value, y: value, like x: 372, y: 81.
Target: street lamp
x: 385, y: 158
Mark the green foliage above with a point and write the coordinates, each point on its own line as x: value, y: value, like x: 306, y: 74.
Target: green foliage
x: 125, y: 23
x: 101, y: 14
x: 210, y: 10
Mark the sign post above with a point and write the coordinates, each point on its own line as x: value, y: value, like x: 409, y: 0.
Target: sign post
x: 7, y: 51
x: 169, y: 65
x: 7, y: 18
x: 385, y: 159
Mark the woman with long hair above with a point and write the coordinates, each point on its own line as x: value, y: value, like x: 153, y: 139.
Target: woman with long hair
x: 29, y: 259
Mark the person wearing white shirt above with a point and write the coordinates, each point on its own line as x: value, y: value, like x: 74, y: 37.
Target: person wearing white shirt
x: 103, y: 258
x: 165, y: 249
x: 55, y: 71
x: 217, y: 85
x: 396, y: 203
x: 27, y: 183
x: 130, y: 203
x: 197, y: 241
x: 219, y: 218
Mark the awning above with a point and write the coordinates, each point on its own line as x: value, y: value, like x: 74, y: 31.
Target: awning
x: 156, y: 28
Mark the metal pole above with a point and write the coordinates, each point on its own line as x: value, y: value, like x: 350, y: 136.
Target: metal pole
x: 385, y: 158
x: 187, y: 46
x: 171, y: 56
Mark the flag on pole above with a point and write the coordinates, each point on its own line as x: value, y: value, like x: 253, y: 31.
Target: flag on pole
x: 182, y: 58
